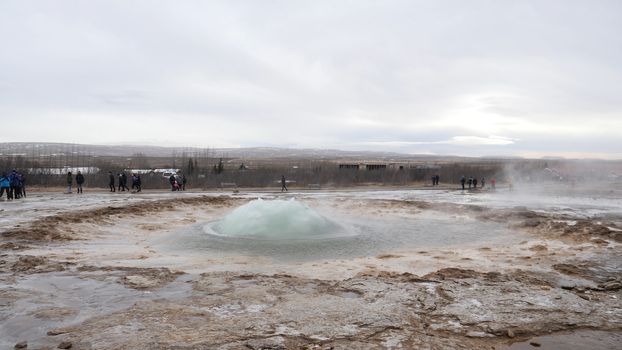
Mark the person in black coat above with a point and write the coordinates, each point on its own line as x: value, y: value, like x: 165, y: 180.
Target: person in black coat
x: 79, y: 181
x: 124, y: 182
x: 111, y: 181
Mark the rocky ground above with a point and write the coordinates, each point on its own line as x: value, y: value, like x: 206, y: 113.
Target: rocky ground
x: 90, y: 279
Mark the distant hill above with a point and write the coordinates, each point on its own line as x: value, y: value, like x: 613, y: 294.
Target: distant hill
x: 42, y: 149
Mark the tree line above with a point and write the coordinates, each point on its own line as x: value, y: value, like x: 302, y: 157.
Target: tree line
x: 213, y: 173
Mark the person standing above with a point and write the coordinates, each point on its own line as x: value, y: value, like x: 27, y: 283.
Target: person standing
x: 5, y: 185
x: 183, y: 182
x: 124, y: 178
x: 134, y: 182
x: 69, y: 181
x: 139, y: 184
x: 79, y: 181
x: 470, y: 182
x: 171, y: 179
x: 283, y: 184
x: 178, y: 180
x: 483, y: 182
x: 462, y: 181
x: 16, y: 185
x: 474, y: 183
x: 22, y: 178
x: 111, y: 181
x: 13, y: 184
x: 120, y: 183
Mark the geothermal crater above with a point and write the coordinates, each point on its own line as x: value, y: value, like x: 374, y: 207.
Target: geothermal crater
x: 291, y: 230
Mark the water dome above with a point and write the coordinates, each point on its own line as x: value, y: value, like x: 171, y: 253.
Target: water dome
x: 275, y: 219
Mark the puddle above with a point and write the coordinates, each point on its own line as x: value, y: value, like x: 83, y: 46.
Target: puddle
x: 54, y: 300
x: 579, y: 340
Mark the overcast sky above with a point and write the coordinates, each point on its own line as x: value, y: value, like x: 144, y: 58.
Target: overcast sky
x: 525, y: 78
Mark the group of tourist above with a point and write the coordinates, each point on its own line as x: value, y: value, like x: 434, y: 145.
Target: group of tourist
x: 435, y: 179
x: 122, y: 182
x: 14, y: 184
x: 178, y: 182
x: 79, y: 181
x: 472, y: 182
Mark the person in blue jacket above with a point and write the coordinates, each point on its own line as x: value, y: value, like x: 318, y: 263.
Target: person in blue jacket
x: 5, y: 185
x: 15, y: 191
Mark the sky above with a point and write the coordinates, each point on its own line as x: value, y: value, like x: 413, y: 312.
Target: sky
x: 472, y: 78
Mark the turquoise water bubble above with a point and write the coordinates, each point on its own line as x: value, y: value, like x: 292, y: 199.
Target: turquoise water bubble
x: 275, y: 219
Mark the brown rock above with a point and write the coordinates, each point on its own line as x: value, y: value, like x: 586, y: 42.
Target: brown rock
x: 535, y: 343
x: 65, y: 345
x: 531, y: 223
x: 599, y: 241
x: 538, y: 248
x: 54, y: 332
x: 511, y: 333
x: 21, y: 345
x: 612, y: 285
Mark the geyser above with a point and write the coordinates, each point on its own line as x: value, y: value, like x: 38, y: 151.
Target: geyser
x: 275, y: 219
x: 289, y: 230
